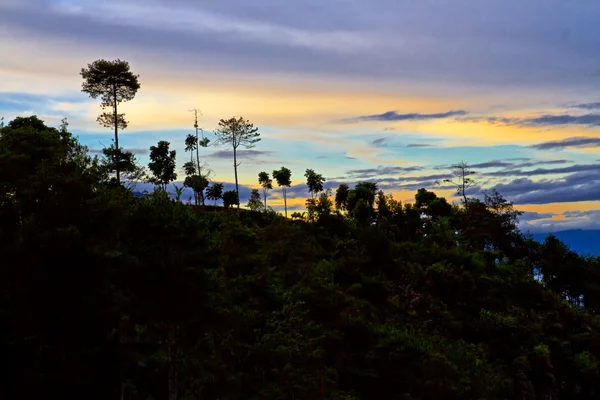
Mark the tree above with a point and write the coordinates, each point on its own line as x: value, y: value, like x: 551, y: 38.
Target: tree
x: 266, y: 183
x: 215, y: 192
x: 236, y: 132
x: 283, y: 177
x: 230, y: 198
x: 162, y: 164
x: 341, y: 197
x: 198, y: 184
x: 124, y: 161
x: 190, y: 168
x: 114, y: 83
x: 254, y: 202
x: 462, y: 179
x: 314, y: 182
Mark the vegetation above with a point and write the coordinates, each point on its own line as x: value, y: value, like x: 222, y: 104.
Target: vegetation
x: 236, y: 132
x: 106, y: 295
x: 114, y: 83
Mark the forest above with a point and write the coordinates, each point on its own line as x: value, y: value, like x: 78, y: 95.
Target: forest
x: 109, y: 294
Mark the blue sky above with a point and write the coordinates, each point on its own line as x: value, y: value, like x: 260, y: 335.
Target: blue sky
x: 393, y: 91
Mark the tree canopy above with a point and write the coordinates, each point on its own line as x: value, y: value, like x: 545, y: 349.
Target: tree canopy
x: 110, y: 295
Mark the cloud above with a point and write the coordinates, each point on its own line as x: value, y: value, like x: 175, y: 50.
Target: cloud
x: 534, y: 216
x: 578, y: 141
x: 587, y: 106
x: 492, y: 164
x: 394, y: 116
x: 547, y: 171
x: 581, y: 186
x: 384, y: 142
x: 368, y: 173
x: 589, y: 120
x: 242, y: 154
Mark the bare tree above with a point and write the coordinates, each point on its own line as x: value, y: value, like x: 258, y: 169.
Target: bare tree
x: 462, y: 179
x: 236, y: 132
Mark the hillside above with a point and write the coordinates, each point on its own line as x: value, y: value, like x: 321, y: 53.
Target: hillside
x: 109, y: 295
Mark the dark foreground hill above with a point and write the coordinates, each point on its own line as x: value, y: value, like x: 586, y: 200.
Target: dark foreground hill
x: 104, y: 295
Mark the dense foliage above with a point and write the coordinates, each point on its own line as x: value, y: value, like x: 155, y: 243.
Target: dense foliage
x: 106, y: 296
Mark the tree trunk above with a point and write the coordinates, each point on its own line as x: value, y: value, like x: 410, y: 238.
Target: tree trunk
x: 285, y: 200
x: 198, y: 159
x: 172, y: 363
x: 118, y: 153
x: 237, y: 189
x: 265, y: 198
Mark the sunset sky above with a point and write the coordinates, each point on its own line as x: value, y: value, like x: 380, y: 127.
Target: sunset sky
x: 391, y: 91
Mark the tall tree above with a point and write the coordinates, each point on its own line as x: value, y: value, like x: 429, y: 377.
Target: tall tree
x: 314, y: 182
x: 266, y: 183
x: 162, y: 164
x: 236, y: 132
x: 114, y: 83
x: 462, y: 179
x: 189, y: 168
x: 283, y: 177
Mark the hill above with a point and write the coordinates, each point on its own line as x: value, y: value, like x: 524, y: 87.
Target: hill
x: 108, y: 295
x: 579, y: 240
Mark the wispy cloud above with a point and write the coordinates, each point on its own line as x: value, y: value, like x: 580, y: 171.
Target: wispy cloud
x: 547, y: 171
x: 583, y: 186
x: 394, y: 116
x: 578, y: 141
x: 589, y: 120
x: 587, y: 106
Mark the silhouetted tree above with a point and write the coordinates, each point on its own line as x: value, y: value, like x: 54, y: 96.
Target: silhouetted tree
x: 341, y: 197
x: 283, y: 177
x: 162, y: 164
x: 266, y: 183
x: 254, y: 203
x: 114, y: 83
x: 314, y: 182
x: 215, y: 192
x: 230, y: 198
x: 462, y: 179
x: 236, y: 132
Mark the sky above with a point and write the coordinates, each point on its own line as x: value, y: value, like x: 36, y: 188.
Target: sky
x: 390, y: 91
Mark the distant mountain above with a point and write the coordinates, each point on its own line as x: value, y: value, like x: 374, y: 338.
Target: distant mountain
x: 579, y: 240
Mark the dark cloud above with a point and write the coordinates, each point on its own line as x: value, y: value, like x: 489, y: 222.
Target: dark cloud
x: 565, y: 119
x: 394, y: 116
x: 587, y: 106
x: 384, y: 142
x: 547, y: 171
x: 380, y: 142
x: 577, y: 141
x: 368, y: 173
x: 338, y: 37
x: 590, y: 120
x: 581, y: 186
x: 492, y: 164
x: 241, y: 154
x: 541, y: 162
x: 534, y: 216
